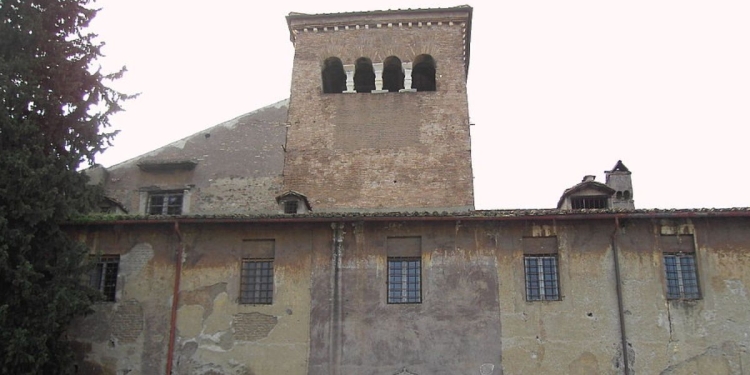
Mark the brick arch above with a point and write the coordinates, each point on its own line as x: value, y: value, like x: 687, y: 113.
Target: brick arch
x: 393, y: 74
x: 333, y: 76
x: 364, y: 75
x: 423, y: 73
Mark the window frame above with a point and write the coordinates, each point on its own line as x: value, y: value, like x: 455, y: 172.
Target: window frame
x: 678, y: 281
x: 409, y: 290
x: 544, y: 284
x: 165, y: 206
x: 103, y: 276
x: 291, y: 206
x: 588, y: 201
x: 261, y: 286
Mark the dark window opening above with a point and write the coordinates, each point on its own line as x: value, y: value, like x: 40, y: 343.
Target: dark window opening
x: 364, y: 75
x: 393, y: 74
x: 423, y: 73
x: 104, y: 276
x: 626, y: 194
x: 290, y: 207
x: 619, y: 195
x: 541, y: 278
x: 256, y: 281
x: 589, y: 202
x: 165, y: 203
x: 404, y: 280
x: 334, y: 76
x: 682, y: 278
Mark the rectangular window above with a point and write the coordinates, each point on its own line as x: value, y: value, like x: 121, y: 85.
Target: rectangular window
x: 404, y: 280
x: 165, y: 203
x: 256, y: 281
x: 682, y: 278
x: 541, y: 278
x: 589, y: 202
x: 104, y: 276
x: 290, y: 207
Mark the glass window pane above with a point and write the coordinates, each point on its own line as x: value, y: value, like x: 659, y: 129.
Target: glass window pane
x: 404, y: 280
x: 256, y: 282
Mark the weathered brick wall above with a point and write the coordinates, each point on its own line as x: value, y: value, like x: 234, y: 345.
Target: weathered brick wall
x: 239, y: 167
x: 385, y: 151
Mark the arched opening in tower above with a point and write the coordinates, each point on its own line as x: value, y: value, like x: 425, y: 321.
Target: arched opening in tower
x: 334, y: 76
x: 423, y: 73
x: 393, y: 74
x: 364, y: 75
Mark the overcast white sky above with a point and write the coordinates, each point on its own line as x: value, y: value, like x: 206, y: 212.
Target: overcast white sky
x: 557, y: 89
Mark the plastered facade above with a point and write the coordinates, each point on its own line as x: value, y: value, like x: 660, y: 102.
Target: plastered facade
x: 330, y: 313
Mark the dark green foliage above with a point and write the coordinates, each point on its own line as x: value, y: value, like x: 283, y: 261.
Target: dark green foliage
x: 53, y: 108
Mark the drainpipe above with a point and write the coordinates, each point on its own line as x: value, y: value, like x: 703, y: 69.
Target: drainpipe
x: 175, y: 298
x: 334, y: 353
x: 618, y: 288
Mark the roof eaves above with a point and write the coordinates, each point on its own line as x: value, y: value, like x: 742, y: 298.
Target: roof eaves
x: 489, y: 215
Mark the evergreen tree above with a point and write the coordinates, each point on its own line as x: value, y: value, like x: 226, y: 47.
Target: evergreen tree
x: 53, y: 109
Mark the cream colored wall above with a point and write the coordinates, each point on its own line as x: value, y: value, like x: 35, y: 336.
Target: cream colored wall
x: 216, y: 332
x: 473, y: 313
x: 575, y: 335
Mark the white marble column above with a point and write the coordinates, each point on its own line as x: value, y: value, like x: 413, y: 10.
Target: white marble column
x: 349, y: 69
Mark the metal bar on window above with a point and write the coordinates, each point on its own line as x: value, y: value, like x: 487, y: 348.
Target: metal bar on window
x: 404, y: 280
x: 256, y: 281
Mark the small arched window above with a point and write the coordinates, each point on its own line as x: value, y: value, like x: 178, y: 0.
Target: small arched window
x: 334, y: 76
x: 423, y: 73
x: 393, y: 74
x: 627, y: 194
x: 364, y: 75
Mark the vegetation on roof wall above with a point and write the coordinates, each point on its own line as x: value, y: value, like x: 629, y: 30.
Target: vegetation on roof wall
x: 54, y: 109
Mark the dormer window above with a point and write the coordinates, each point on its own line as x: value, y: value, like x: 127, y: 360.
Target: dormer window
x: 589, y: 202
x: 291, y: 206
x: 587, y: 195
x: 292, y: 202
x: 165, y: 203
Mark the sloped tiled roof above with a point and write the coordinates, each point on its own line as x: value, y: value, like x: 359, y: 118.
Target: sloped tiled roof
x: 479, y: 215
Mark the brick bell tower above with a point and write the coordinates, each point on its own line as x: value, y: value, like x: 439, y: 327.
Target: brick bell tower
x: 378, y: 112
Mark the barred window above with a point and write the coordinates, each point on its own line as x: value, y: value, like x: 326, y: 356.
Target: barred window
x: 404, y: 280
x: 589, y: 202
x: 104, y: 276
x: 256, y: 284
x: 541, y: 278
x: 682, y: 278
x: 165, y: 203
x: 290, y: 207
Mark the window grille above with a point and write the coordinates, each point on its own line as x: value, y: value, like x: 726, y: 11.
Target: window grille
x: 541, y: 278
x: 104, y: 276
x: 404, y: 280
x: 596, y: 202
x: 165, y: 203
x: 256, y: 281
x: 682, y: 278
x: 290, y: 207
